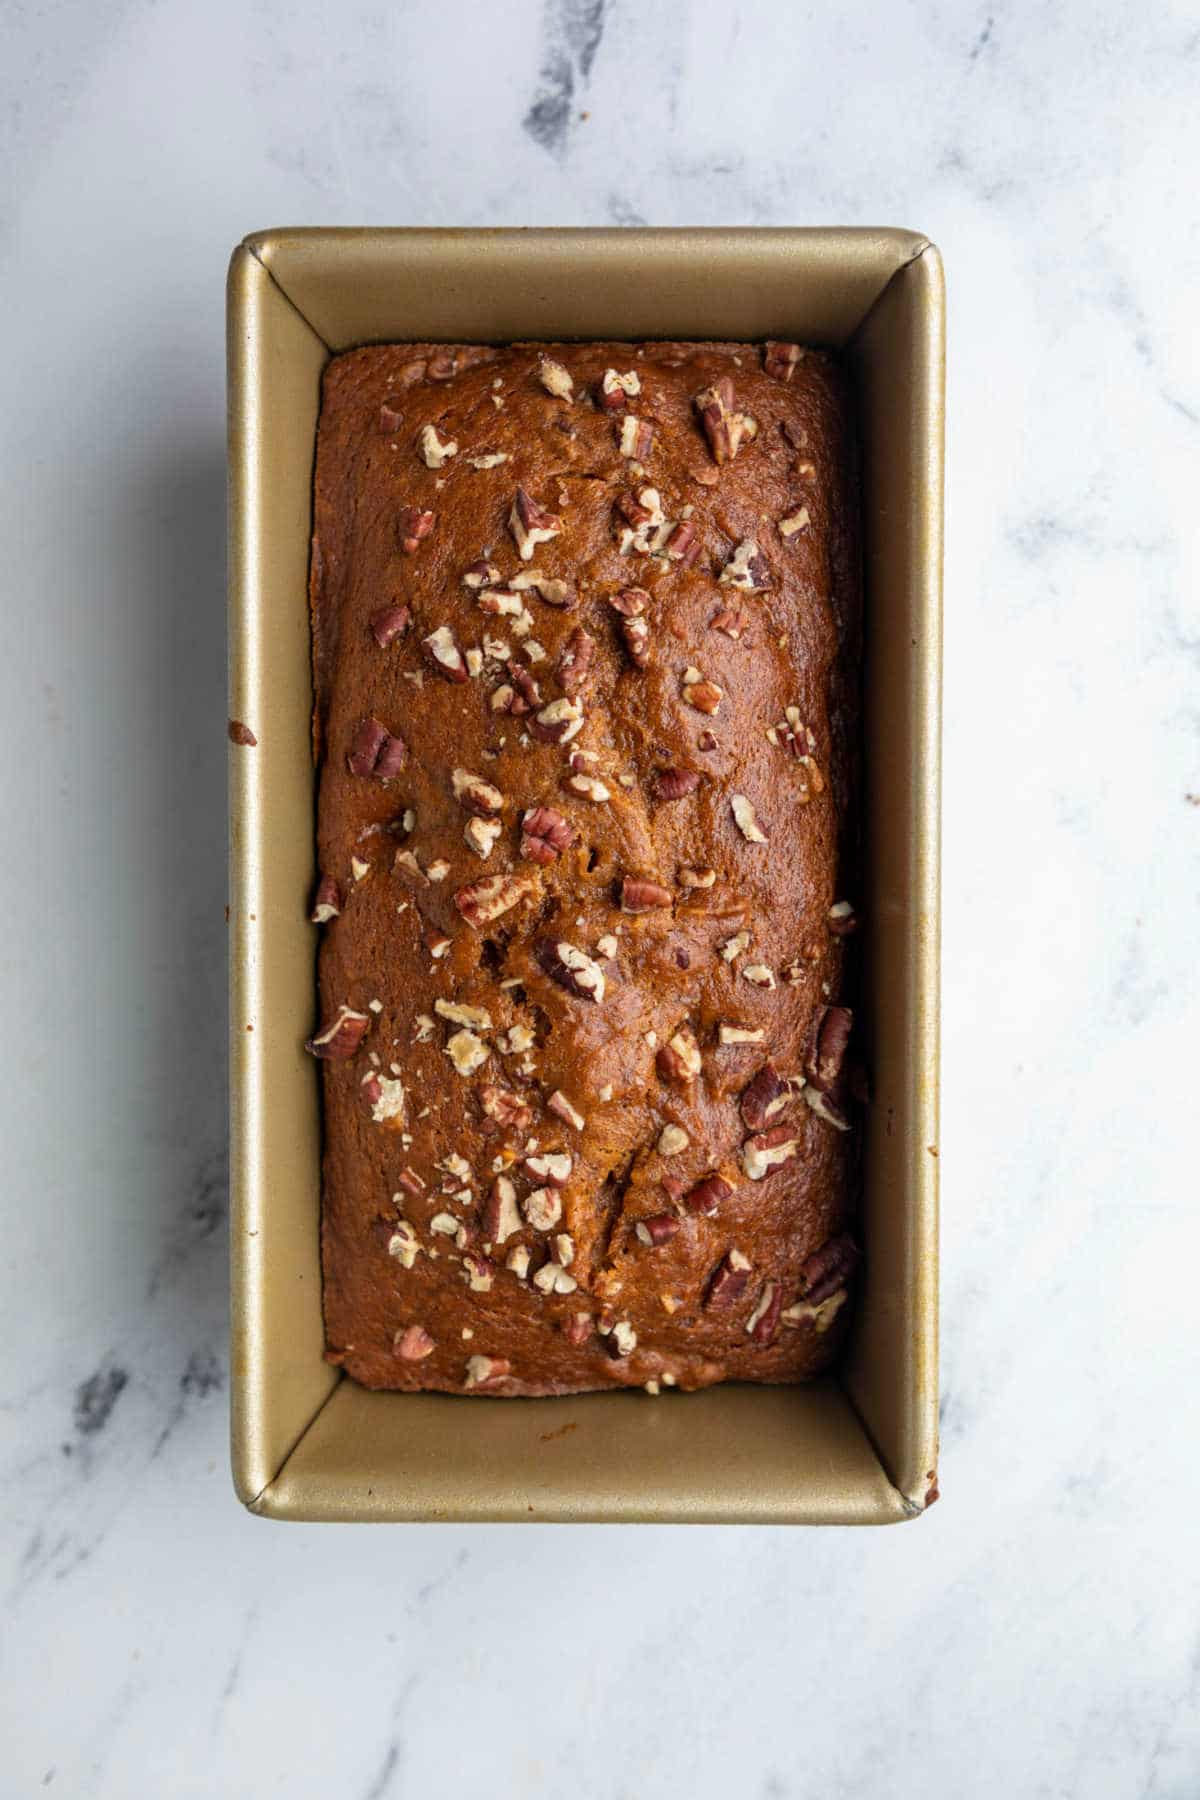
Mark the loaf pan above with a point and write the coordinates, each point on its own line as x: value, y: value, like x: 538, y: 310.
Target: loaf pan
x: 858, y: 1446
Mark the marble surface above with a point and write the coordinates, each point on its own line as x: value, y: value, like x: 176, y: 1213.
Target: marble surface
x: 1037, y: 1633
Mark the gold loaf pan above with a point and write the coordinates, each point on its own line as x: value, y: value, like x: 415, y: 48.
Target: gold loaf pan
x: 856, y: 1447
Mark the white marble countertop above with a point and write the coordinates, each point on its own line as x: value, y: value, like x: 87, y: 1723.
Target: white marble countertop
x: 1036, y: 1634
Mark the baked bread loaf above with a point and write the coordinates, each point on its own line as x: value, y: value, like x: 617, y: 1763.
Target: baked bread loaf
x: 586, y: 650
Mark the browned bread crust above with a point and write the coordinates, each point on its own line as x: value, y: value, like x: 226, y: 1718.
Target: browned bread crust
x: 585, y: 624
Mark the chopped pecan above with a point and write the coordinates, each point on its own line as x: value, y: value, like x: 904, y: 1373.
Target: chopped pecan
x: 476, y: 794
x: 502, y: 1105
x: 588, y: 788
x: 729, y: 1279
x: 327, y: 901
x: 828, y: 1268
x: 794, y: 523
x: 531, y: 524
x: 542, y: 1208
x: 747, y: 819
x: 679, y: 1060
x: 500, y: 1216
x: 480, y: 575
x: 414, y: 1344
x: 827, y: 1049
x: 683, y: 546
x: 411, y: 1182
x: 747, y: 569
x: 518, y: 1260
x: 551, y: 1278
x: 478, y: 1272
x: 672, y: 1139
x: 704, y: 695
x: 733, y: 624
x: 827, y: 1108
x: 706, y: 1196
x: 501, y: 603
x: 578, y: 1328
x: 552, y: 1167
x: 630, y: 602
x: 841, y: 919
x: 443, y: 654
x: 390, y: 416
x: 557, y: 723
x: 341, y: 1037
x: 765, y: 1097
x: 376, y: 751
x: 413, y: 524
x: 637, y: 438
x: 481, y: 1370
x: 575, y: 660
x: 639, y: 896
x: 403, y: 1244
x: 490, y: 460
x: 779, y: 359
x: 673, y: 784
x: 692, y: 879
x: 571, y: 968
x: 615, y: 390
x: 819, y: 1314
x: 482, y: 901
x: 622, y: 1339
x: 555, y: 379
x: 739, y: 1034
x: 240, y: 733
x: 763, y: 1322
x: 525, y: 691
x: 545, y: 834
x: 767, y: 1151
x: 480, y: 835
x: 724, y: 427
x: 389, y: 624
x: 636, y: 636
x: 551, y: 589
x: 435, y: 450
x: 562, y: 1108
x: 759, y: 975
x: 466, y: 1051
x: 386, y: 1098
x: 657, y: 1230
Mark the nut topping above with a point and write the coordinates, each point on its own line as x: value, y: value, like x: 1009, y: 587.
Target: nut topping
x: 551, y: 589
x: 637, y: 438
x: 673, y: 784
x: 747, y: 569
x: 518, y: 1260
x: 476, y: 794
x: 629, y: 602
x: 435, y: 452
x: 779, y: 360
x: 389, y: 624
x: 480, y: 575
x: 820, y: 1316
x: 616, y: 390
x: 571, y: 968
x: 484, y: 1369
x: 704, y: 695
x: 763, y: 1322
x: 413, y: 524
x: 679, y: 1060
x: 746, y: 819
x: 578, y: 1329
x: 739, y: 1034
x: 764, y: 1097
x: 682, y: 545
x: 587, y: 788
x: 828, y: 1268
x: 575, y: 660
x: 691, y: 879
x: 658, y: 1230
x: 841, y: 919
x: 500, y: 1216
x: 706, y: 1196
x: 730, y: 1279
x: 759, y: 975
x: 543, y: 1208
x: 403, y: 1244
x: 526, y: 693
x: 725, y: 428
x: 556, y: 379
x: 482, y: 901
x: 643, y: 896
x: 477, y: 1017
x: 480, y: 835
x: 768, y: 1151
x: 443, y: 653
x: 562, y: 1108
x: 733, y: 624
x: 831, y: 1034
x: 672, y: 1140
x: 552, y: 1166
x: 341, y: 1037
x: 467, y: 1052
x: 794, y: 523
x: 390, y: 417
x: 735, y: 946
x: 386, y: 1097
x: 478, y: 1273
x: 327, y: 901
x: 552, y: 1278
x: 636, y: 636
x: 531, y: 524
x: 557, y: 723
x: 502, y: 1105
x: 491, y: 460
x: 826, y: 1107
x: 414, y: 1344
x: 622, y: 1339
x: 376, y: 752
x: 545, y: 834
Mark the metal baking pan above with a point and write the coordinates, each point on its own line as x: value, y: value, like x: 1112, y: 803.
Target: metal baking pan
x: 858, y: 1446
